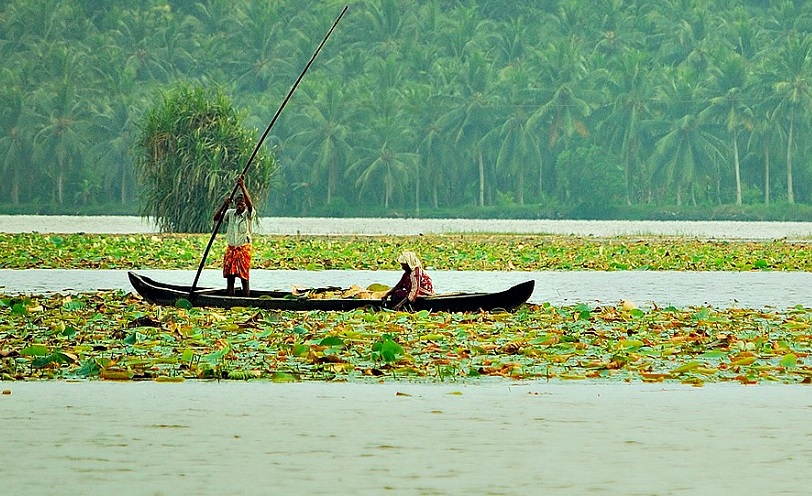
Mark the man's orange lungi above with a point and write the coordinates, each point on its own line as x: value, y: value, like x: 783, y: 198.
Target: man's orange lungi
x: 237, y: 261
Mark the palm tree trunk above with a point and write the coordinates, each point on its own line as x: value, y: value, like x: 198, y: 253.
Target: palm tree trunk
x: 766, y: 175
x: 520, y: 188
x: 481, y: 170
x: 60, y: 187
x: 417, y: 190
x: 331, y: 181
x: 628, y: 181
x: 123, y: 195
x: 790, y: 193
x: 15, y: 191
x: 737, y: 169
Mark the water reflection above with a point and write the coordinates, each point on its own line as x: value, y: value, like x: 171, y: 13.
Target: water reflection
x: 645, y: 288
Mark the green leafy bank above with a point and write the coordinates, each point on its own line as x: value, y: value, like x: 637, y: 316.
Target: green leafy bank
x: 440, y: 252
x: 112, y: 335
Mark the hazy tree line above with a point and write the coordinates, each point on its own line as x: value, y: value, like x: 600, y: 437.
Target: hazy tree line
x: 425, y: 104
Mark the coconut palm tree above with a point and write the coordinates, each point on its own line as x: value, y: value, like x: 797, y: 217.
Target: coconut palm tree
x: 561, y: 91
x: 515, y: 141
x: 793, y: 92
x: 320, y: 132
x: 383, y: 162
x: 62, y: 139
x: 15, y: 146
x: 687, y: 146
x: 729, y: 106
x: 622, y: 120
x: 469, y: 115
x: 114, y: 121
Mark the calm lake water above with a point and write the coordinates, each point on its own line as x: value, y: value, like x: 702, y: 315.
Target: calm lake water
x: 327, y: 226
x: 397, y: 438
x: 724, y: 289
x: 203, y: 438
x: 644, y: 288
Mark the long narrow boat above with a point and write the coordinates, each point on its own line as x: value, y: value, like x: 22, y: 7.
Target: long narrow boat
x: 169, y: 294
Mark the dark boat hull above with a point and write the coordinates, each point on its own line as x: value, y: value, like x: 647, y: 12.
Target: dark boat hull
x: 168, y: 294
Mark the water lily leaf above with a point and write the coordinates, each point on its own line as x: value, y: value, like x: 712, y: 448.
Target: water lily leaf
x: 42, y: 361
x: 116, y: 374
x: 332, y: 341
x: 242, y: 375
x: 790, y: 361
x: 66, y: 357
x: 187, y: 356
x: 88, y: 368
x: 687, y: 367
x: 702, y: 314
x: 744, y: 361
x: 73, y: 305
x: 300, y: 350
x: 283, y: 377
x: 34, y: 350
x: 55, y: 357
x: 170, y: 378
x: 630, y: 344
x: 713, y: 354
x: 386, y: 349
x: 183, y: 303
x: 69, y: 331
x: 216, y: 356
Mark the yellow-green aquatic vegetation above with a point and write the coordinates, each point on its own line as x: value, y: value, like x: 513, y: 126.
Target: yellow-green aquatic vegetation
x: 113, y: 335
x: 446, y: 252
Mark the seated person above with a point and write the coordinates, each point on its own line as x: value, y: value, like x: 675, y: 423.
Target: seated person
x: 414, y: 282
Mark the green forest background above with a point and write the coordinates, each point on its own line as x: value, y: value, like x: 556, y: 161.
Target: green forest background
x: 517, y: 108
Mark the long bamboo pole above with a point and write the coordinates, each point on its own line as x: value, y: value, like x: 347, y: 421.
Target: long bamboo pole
x: 259, y: 144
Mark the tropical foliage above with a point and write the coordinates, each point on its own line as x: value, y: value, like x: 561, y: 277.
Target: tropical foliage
x: 190, y: 145
x: 432, y: 104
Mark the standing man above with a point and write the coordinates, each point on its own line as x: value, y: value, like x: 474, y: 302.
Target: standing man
x: 239, y: 220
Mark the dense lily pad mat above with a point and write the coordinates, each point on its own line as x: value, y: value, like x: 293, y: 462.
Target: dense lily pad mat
x: 117, y: 336
x: 446, y: 252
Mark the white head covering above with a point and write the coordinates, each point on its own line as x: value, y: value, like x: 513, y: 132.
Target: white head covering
x: 409, y: 258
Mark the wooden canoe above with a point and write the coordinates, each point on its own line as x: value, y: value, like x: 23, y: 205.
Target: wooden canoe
x: 168, y: 294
